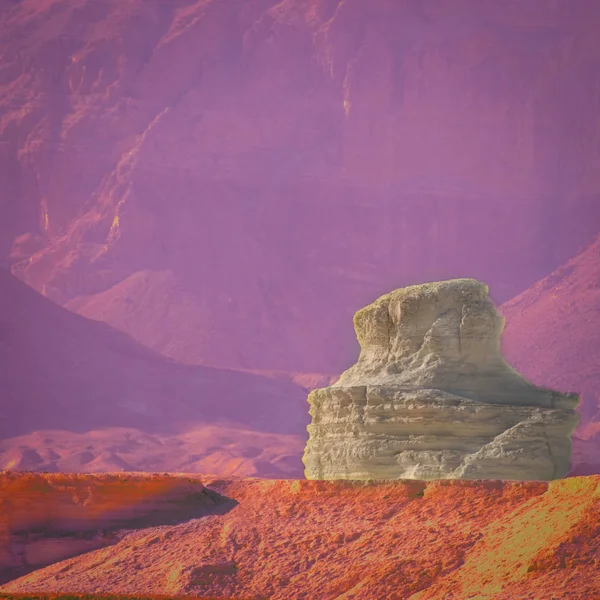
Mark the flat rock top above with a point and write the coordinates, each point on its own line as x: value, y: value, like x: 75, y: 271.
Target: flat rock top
x: 442, y: 335
x: 460, y: 289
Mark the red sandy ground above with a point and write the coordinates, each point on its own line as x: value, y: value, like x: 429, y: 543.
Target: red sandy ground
x: 105, y: 597
x: 64, y: 501
x: 108, y: 597
x: 344, y: 540
x: 45, y: 518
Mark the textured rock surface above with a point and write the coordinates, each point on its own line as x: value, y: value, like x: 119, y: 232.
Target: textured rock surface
x: 220, y: 176
x: 45, y: 518
x: 432, y: 397
x: 337, y: 540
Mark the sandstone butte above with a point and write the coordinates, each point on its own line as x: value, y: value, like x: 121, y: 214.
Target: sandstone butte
x: 288, y: 540
x: 432, y: 397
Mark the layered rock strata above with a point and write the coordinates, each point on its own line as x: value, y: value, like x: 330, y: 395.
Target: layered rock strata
x: 431, y: 397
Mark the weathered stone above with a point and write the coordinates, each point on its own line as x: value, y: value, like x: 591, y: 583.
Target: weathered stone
x: 431, y: 397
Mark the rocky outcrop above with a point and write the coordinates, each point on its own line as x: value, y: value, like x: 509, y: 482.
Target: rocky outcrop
x: 45, y: 518
x: 432, y: 397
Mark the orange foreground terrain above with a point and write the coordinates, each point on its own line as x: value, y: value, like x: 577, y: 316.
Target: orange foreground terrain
x: 178, y: 535
x: 106, y: 597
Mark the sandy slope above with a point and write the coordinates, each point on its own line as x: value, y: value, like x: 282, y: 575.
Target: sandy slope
x: 552, y: 338
x: 400, y: 540
x: 552, y: 329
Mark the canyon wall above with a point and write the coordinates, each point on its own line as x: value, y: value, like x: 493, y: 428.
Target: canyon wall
x: 230, y: 181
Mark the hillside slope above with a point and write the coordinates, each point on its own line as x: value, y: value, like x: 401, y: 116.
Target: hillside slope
x: 63, y: 372
x: 401, y: 540
x: 551, y: 333
x: 551, y: 337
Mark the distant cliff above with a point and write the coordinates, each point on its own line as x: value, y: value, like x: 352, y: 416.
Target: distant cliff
x: 212, y: 176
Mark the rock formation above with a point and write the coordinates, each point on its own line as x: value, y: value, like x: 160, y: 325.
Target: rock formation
x: 432, y: 397
x: 45, y: 518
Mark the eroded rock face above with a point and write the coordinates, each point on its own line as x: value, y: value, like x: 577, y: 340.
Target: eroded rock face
x: 46, y: 518
x: 432, y: 397
x: 209, y: 175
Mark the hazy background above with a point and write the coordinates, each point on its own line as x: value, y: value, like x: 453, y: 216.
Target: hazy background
x: 227, y: 182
